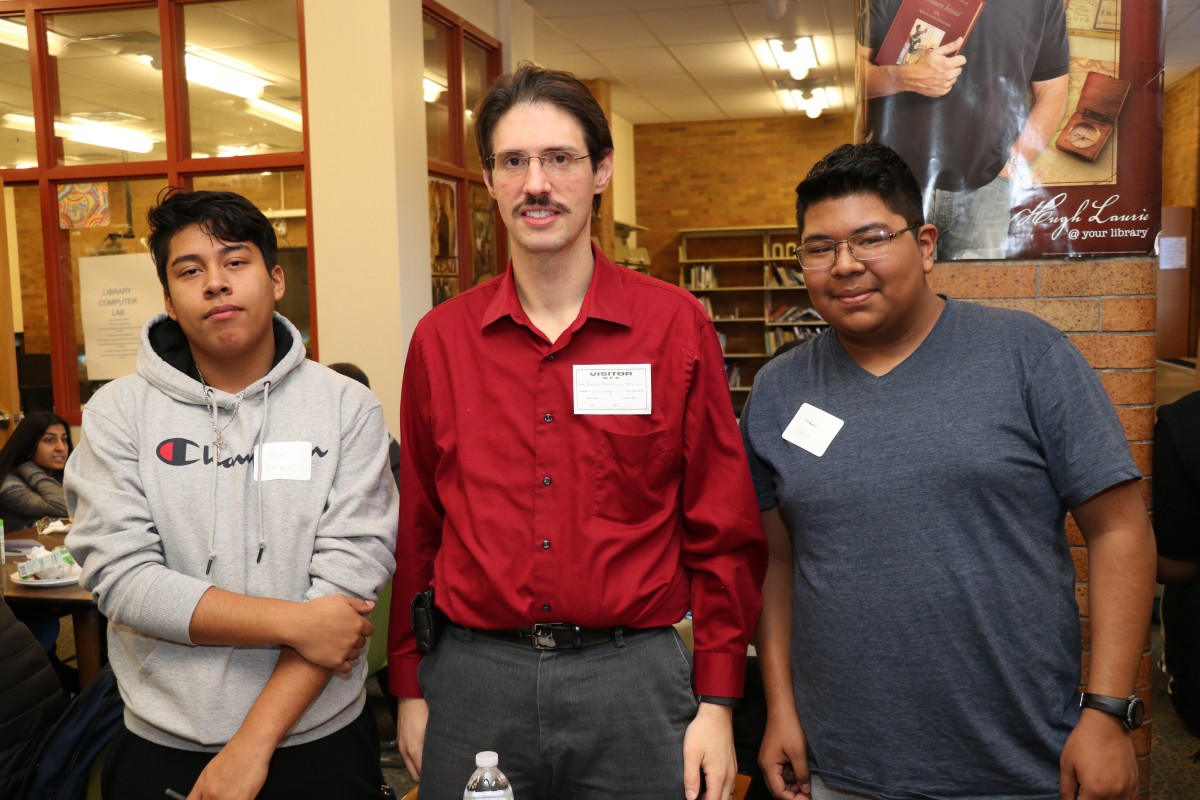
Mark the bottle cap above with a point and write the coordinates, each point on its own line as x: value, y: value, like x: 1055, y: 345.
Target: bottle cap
x: 487, y: 758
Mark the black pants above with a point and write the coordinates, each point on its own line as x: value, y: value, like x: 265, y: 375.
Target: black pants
x: 344, y: 764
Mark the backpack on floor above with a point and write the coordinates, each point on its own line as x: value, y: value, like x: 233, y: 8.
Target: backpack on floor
x: 82, y: 733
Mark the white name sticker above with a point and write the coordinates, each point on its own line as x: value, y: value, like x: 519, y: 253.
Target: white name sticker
x: 283, y: 461
x: 812, y: 429
x: 612, y: 388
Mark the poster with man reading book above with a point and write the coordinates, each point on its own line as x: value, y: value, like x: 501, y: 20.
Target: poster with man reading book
x: 1020, y: 119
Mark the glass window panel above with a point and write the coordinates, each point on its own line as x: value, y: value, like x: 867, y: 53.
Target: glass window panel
x: 18, y: 148
x: 280, y: 196
x: 113, y: 287
x: 443, y: 226
x: 110, y: 86
x: 437, y: 96
x: 243, y: 71
x: 475, y: 82
x: 483, y: 233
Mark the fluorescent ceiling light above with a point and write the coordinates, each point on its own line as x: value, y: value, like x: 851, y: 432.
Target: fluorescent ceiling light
x: 85, y: 132
x: 223, y: 78
x: 15, y: 34
x: 275, y: 113
x: 432, y: 90
x: 797, y: 56
x: 812, y: 102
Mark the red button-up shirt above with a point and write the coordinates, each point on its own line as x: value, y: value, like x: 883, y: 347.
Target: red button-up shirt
x: 517, y: 510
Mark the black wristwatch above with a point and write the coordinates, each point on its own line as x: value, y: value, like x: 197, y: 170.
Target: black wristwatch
x: 1130, y: 710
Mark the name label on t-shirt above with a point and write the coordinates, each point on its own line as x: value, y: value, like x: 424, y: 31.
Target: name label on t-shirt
x: 812, y: 429
x: 283, y: 461
x: 612, y: 388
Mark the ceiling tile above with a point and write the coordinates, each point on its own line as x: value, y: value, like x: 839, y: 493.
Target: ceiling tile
x: 695, y: 26
x: 748, y: 105
x: 548, y: 41
x: 656, y: 86
x: 689, y: 109
x: 731, y: 82
x: 641, y: 61
x: 553, y: 9
x: 657, y: 5
x: 581, y: 65
x: 606, y: 32
x: 733, y: 56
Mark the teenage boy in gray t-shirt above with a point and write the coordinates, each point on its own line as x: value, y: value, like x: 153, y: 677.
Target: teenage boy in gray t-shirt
x: 914, y: 465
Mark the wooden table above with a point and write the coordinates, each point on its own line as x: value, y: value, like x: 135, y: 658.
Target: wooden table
x: 73, y: 599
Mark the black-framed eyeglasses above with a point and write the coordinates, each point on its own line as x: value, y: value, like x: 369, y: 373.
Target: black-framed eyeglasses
x: 515, y: 162
x: 820, y: 254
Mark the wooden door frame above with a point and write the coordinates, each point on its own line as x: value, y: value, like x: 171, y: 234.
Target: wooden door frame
x: 10, y: 404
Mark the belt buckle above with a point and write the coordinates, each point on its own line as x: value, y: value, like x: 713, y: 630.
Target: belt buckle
x: 543, y: 636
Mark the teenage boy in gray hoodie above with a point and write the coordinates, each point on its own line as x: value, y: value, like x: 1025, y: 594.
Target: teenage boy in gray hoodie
x: 234, y: 516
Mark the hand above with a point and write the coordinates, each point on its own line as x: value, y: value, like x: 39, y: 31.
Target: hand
x: 784, y: 757
x: 412, y: 715
x: 235, y: 773
x: 708, y: 747
x: 935, y: 74
x: 331, y: 631
x: 1098, y: 760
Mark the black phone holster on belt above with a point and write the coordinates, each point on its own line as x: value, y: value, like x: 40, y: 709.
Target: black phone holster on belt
x: 428, y: 621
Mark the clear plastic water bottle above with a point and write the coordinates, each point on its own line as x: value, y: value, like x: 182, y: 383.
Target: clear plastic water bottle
x: 487, y: 782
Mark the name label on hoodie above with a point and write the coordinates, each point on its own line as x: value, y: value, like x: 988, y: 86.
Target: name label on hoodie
x: 283, y: 461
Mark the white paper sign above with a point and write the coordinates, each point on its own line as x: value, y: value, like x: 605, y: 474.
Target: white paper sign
x: 283, y: 461
x: 812, y: 429
x: 118, y: 294
x: 612, y: 388
x: 1172, y: 252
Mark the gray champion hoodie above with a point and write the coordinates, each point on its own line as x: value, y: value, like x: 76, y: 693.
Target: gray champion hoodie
x: 160, y: 516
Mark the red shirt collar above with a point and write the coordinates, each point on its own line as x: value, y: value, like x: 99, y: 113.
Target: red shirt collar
x: 604, y: 299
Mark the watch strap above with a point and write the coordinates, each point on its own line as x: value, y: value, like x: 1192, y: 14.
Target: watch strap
x: 1119, y: 707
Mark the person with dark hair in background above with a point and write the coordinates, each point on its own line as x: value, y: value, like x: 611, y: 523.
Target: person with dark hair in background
x: 354, y: 372
x: 1176, y: 490
x: 31, y: 469
x: 915, y: 464
x: 31, y: 473
x: 574, y: 483
x: 234, y: 518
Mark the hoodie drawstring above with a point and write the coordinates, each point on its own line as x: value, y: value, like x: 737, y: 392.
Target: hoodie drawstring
x: 262, y: 438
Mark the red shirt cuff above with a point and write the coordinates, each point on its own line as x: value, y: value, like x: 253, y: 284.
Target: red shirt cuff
x: 719, y: 674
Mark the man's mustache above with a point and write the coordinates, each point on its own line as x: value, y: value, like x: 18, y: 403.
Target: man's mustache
x: 541, y: 201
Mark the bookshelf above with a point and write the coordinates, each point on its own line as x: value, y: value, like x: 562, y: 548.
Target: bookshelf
x: 752, y: 287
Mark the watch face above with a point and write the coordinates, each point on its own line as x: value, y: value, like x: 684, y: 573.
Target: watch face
x: 1135, y: 713
x: 1083, y: 135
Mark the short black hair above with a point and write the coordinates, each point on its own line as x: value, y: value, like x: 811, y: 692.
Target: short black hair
x: 867, y: 168
x: 224, y: 215
x: 534, y: 85
x: 352, y: 371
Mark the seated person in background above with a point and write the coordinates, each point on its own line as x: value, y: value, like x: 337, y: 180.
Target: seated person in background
x: 31, y: 469
x: 235, y: 549
x: 1177, y: 529
x: 30, y: 702
x: 354, y: 372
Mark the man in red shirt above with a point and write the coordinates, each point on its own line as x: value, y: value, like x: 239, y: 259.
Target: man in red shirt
x: 574, y: 483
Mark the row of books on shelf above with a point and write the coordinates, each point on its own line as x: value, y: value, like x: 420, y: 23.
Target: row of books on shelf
x: 733, y: 372
x: 780, y: 276
x: 702, y: 276
x: 777, y: 337
x: 805, y: 314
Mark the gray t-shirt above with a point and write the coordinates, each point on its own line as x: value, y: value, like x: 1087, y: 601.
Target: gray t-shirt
x: 935, y: 640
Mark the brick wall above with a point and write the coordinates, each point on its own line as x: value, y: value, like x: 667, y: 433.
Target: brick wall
x: 1181, y: 171
x: 711, y: 174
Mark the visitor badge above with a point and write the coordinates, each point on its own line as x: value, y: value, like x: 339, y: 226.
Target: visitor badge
x: 612, y: 388
x: 283, y: 461
x: 812, y: 429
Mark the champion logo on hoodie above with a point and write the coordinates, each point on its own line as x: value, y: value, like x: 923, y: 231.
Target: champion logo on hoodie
x: 180, y: 452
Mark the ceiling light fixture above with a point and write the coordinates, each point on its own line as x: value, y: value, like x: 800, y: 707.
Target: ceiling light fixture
x: 15, y: 34
x: 271, y: 112
x: 431, y: 89
x: 812, y: 101
x: 82, y: 131
x: 222, y: 77
x: 797, y: 56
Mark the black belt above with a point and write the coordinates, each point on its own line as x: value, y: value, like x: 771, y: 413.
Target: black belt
x: 556, y: 635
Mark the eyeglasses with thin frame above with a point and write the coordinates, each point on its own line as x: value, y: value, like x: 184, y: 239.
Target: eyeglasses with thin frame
x: 513, y: 163
x: 819, y: 254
